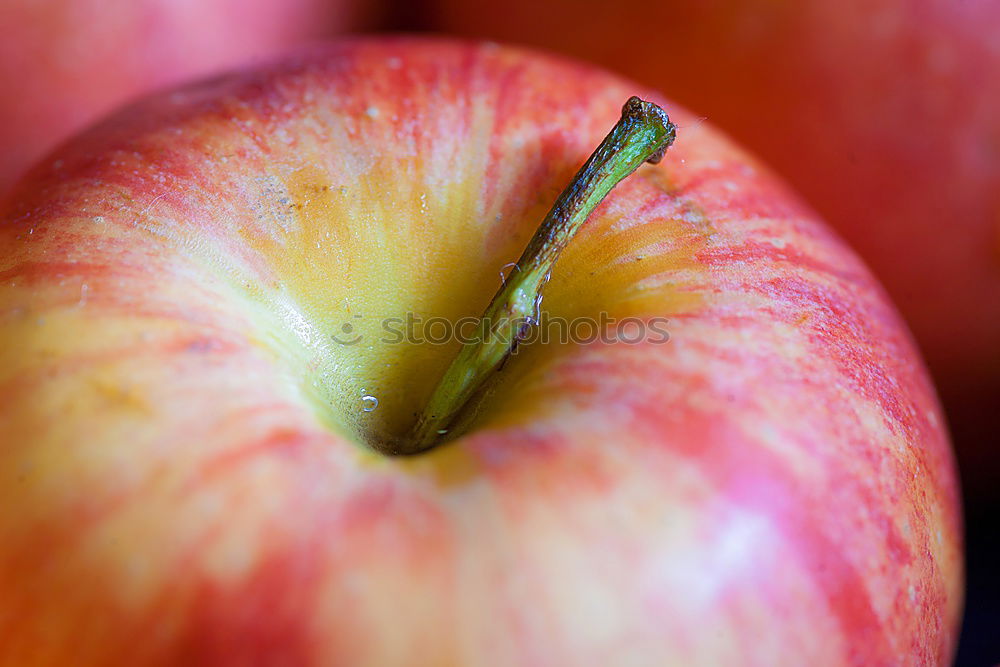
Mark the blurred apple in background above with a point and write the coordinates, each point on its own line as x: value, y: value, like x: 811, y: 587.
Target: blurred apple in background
x: 63, y: 63
x: 189, y: 471
x: 885, y: 114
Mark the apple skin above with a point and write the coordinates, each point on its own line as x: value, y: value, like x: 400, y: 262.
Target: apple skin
x: 183, y: 479
x: 64, y: 63
x: 883, y: 114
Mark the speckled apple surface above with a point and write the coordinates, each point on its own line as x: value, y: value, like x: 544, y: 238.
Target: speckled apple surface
x: 185, y: 469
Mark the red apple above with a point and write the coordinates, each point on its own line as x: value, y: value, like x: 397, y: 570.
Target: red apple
x: 191, y: 469
x: 884, y: 114
x: 63, y: 63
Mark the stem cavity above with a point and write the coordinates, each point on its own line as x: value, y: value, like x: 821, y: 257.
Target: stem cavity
x: 642, y: 135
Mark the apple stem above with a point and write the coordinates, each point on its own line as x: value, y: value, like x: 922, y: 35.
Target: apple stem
x: 642, y: 135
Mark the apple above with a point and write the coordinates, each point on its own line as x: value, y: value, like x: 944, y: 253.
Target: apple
x: 195, y: 465
x: 885, y: 115
x: 64, y: 63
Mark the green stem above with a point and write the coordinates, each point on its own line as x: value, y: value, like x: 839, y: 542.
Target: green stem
x: 642, y: 135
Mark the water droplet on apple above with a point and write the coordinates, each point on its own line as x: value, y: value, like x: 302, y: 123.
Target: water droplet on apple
x: 503, y: 271
x: 537, y: 315
x: 370, y: 403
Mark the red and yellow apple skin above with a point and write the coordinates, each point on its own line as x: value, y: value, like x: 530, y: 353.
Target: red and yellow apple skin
x: 184, y: 478
x: 883, y: 114
x: 64, y: 63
